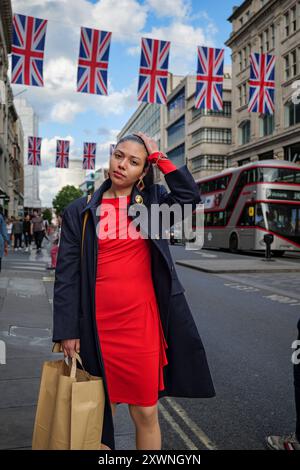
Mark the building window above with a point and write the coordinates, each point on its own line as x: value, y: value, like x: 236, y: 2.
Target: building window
x: 266, y: 41
x: 226, y: 112
x: 294, y: 63
x: 176, y: 105
x: 287, y: 24
x: 291, y: 21
x: 292, y: 114
x: 177, y: 156
x: 243, y: 94
x: 267, y: 125
x: 209, y: 162
x: 212, y: 135
x: 290, y: 65
x: 240, y: 61
x: 287, y: 66
x: 261, y: 44
x: 176, y: 132
x: 272, y: 36
x: 245, y: 132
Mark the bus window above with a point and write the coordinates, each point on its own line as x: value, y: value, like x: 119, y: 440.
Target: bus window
x: 259, y: 216
x: 247, y: 217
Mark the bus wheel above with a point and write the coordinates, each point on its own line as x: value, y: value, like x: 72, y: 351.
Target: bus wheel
x: 233, y: 243
x: 278, y: 253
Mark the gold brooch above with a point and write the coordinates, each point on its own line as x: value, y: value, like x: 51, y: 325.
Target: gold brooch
x: 139, y: 199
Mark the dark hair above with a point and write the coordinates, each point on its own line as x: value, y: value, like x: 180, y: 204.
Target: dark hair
x: 149, y: 177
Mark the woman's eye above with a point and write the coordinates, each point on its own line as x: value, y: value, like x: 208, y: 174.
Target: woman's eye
x: 134, y: 163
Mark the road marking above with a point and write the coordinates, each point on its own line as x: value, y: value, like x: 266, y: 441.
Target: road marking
x: 188, y: 442
x: 241, y: 287
x: 196, y: 430
x: 282, y: 299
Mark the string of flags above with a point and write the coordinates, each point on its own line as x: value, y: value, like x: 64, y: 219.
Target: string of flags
x: 62, y: 153
x: 28, y: 46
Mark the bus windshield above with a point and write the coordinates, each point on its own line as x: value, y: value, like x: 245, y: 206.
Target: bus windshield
x: 282, y: 218
x: 276, y: 175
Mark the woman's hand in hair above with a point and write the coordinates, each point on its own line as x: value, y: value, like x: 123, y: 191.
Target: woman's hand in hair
x: 150, y: 144
x: 70, y: 347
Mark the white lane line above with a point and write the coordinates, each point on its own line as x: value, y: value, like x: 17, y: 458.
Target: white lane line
x: 188, y: 442
x: 25, y: 268
x: 196, y: 430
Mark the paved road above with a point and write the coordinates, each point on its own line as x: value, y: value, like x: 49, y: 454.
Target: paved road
x: 247, y: 323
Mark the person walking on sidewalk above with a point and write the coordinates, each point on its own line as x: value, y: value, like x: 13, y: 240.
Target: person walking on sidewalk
x: 3, y: 238
x: 9, y: 226
x: 291, y: 441
x: 117, y: 298
x: 27, y: 232
x: 37, y: 230
x: 17, y: 231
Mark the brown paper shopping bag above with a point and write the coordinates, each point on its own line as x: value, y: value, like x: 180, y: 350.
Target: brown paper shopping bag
x: 70, y: 408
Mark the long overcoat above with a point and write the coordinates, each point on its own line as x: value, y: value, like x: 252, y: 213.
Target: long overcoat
x: 187, y: 373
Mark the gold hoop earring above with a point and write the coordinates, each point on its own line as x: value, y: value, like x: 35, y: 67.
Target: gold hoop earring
x: 140, y: 185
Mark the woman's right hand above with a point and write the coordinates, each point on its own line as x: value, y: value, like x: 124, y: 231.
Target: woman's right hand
x: 70, y: 347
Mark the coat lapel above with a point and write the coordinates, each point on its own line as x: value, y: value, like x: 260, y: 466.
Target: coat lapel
x: 135, y: 196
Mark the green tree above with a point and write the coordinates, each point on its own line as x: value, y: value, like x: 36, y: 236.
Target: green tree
x: 47, y: 215
x: 66, y: 195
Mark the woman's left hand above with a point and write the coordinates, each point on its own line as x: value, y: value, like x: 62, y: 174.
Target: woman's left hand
x: 150, y: 144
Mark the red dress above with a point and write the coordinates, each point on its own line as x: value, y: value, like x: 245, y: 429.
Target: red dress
x: 128, y: 320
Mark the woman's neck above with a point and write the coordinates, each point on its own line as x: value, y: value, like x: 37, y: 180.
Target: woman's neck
x: 117, y: 192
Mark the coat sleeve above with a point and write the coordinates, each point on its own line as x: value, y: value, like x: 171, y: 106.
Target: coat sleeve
x: 66, y: 299
x: 183, y: 189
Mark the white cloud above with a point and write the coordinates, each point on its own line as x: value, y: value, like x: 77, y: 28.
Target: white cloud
x: 170, y: 8
x: 65, y: 111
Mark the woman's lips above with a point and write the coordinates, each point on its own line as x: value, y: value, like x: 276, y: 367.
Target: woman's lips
x: 118, y: 175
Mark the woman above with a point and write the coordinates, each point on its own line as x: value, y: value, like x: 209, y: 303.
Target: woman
x: 27, y: 232
x: 3, y: 238
x: 122, y: 305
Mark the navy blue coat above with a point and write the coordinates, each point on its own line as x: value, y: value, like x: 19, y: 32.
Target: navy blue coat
x: 187, y: 373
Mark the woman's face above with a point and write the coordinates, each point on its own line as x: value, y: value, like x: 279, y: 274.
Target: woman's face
x: 126, y: 164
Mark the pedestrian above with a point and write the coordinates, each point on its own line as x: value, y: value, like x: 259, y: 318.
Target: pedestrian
x: 27, y: 232
x: 37, y: 230
x: 3, y: 238
x: 54, y: 253
x: 291, y: 441
x: 118, y: 300
x: 9, y: 226
x: 17, y: 231
x: 55, y: 243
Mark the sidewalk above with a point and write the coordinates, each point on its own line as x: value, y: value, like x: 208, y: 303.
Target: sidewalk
x: 240, y: 265
x: 26, y: 329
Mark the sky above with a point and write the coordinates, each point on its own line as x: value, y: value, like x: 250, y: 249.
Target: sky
x: 79, y: 117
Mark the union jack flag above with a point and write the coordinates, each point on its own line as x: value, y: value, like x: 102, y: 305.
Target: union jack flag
x: 62, y: 153
x: 153, y: 73
x: 93, y: 61
x: 89, y: 155
x: 34, y: 151
x: 262, y: 83
x: 209, y: 84
x: 28, y: 50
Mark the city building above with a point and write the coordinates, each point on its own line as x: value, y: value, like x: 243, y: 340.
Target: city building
x: 266, y: 26
x: 11, y: 133
x: 29, y: 122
